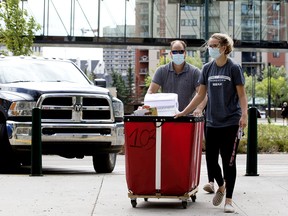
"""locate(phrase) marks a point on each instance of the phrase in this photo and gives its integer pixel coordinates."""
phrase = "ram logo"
(78, 107)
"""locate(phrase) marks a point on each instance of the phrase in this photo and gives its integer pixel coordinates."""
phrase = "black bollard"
(251, 165)
(36, 146)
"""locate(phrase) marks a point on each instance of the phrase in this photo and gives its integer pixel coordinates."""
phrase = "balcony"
(143, 71)
(144, 59)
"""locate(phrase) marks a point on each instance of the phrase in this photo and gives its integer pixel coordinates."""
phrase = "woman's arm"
(243, 104)
(198, 98)
(199, 109)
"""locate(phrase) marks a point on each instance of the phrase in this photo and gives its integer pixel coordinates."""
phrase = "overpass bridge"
(255, 25)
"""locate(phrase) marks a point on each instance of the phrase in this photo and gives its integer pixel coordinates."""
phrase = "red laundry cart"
(163, 157)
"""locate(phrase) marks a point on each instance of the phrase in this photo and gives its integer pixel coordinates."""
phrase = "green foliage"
(271, 138)
(279, 85)
(16, 28)
(195, 60)
(124, 90)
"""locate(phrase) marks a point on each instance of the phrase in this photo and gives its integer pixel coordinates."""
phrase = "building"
(119, 59)
(246, 20)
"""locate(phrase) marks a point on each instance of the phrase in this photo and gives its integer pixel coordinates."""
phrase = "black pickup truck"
(78, 118)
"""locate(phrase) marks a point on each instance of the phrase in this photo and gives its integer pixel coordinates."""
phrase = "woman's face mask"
(214, 52)
(178, 59)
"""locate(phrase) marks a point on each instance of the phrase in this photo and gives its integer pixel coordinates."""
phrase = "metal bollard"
(251, 165)
(36, 146)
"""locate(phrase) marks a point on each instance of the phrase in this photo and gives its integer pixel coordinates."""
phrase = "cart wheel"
(184, 204)
(145, 199)
(193, 197)
(134, 203)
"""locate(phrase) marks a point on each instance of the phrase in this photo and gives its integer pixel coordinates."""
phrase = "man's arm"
(153, 88)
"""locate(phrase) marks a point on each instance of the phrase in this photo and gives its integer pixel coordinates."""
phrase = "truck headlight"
(21, 108)
(118, 108)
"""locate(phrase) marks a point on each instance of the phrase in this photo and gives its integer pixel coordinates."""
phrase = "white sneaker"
(228, 208)
(209, 187)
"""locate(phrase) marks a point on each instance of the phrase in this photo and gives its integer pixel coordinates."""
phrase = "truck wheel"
(7, 158)
(104, 163)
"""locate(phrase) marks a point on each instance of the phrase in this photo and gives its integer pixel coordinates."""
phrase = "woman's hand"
(243, 120)
(179, 115)
(197, 112)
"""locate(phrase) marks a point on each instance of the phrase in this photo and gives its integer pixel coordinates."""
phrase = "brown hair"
(224, 40)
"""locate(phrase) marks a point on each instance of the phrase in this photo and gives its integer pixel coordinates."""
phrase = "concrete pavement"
(70, 187)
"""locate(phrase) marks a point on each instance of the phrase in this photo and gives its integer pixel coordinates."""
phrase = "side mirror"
(100, 82)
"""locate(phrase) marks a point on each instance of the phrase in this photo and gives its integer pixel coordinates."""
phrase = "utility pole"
(206, 27)
(269, 89)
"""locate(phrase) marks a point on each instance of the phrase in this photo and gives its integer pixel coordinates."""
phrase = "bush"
(271, 138)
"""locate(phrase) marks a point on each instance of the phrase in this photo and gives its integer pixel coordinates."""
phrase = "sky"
(112, 13)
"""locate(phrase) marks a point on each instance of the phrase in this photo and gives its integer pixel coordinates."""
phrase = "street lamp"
(23, 4)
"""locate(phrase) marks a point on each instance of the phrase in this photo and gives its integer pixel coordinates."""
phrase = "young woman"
(223, 81)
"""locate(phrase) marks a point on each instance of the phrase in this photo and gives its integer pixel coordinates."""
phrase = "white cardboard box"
(166, 103)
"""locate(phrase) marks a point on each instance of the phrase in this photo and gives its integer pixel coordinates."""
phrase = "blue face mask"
(178, 59)
(214, 52)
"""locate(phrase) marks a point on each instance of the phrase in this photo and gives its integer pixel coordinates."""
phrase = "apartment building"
(244, 20)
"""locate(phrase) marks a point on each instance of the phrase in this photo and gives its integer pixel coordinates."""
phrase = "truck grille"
(75, 108)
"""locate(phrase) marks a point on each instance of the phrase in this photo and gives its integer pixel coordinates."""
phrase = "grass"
(271, 139)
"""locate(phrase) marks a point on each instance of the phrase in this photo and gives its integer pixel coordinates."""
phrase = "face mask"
(214, 52)
(178, 59)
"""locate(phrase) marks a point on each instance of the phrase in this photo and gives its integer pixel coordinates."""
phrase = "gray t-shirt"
(184, 84)
(223, 108)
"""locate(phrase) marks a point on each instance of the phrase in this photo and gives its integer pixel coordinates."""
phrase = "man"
(181, 78)
(284, 113)
(178, 77)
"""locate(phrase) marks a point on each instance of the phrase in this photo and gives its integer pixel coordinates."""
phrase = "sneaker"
(209, 187)
(217, 199)
(228, 208)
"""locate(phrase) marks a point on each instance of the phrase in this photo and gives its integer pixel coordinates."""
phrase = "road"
(70, 187)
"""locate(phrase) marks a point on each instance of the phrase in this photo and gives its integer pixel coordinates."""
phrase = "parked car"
(78, 119)
(261, 114)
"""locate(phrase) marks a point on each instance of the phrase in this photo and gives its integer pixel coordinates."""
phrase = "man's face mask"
(178, 59)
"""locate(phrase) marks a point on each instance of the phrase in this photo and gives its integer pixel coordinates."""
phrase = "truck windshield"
(31, 70)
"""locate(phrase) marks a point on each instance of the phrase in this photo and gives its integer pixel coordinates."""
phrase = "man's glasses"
(178, 51)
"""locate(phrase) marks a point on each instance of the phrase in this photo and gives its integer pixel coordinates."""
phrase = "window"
(188, 22)
(194, 22)
(230, 6)
(276, 54)
(188, 8)
(276, 6)
(244, 9)
(230, 22)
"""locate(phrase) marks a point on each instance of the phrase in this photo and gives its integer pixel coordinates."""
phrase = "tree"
(16, 28)
(122, 90)
(279, 85)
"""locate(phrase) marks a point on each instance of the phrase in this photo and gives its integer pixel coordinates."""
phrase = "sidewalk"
(277, 121)
(71, 188)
